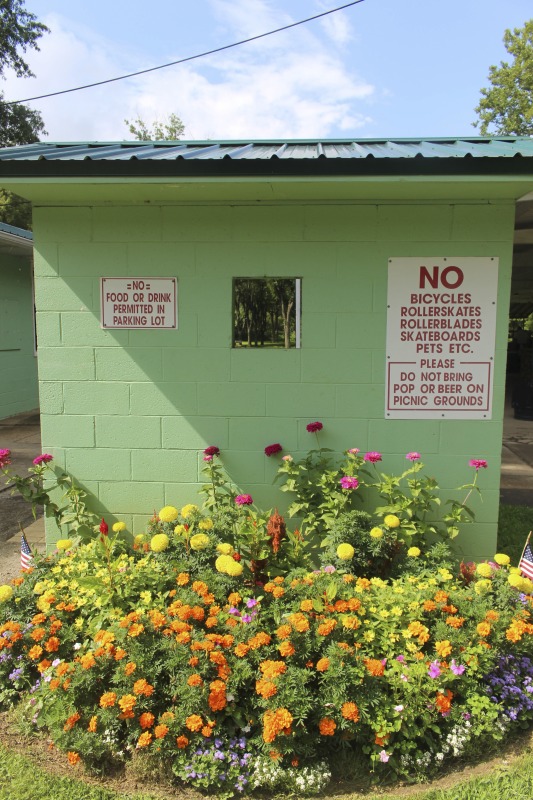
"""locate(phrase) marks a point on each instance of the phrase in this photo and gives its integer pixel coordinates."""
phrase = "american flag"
(526, 562)
(26, 556)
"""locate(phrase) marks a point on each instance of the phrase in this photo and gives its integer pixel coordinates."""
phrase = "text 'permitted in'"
(139, 303)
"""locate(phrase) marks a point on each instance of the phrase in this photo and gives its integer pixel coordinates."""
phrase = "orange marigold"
(374, 666)
(144, 739)
(265, 688)
(120, 654)
(87, 661)
(276, 721)
(71, 721)
(127, 703)
(108, 700)
(160, 731)
(286, 649)
(443, 648)
(35, 652)
(350, 711)
(73, 757)
(52, 644)
(194, 722)
(136, 629)
(259, 640)
(444, 701)
(306, 605)
(234, 599)
(195, 680)
(327, 726)
(93, 722)
(322, 665)
(143, 687)
(326, 627)
(284, 631)
(455, 622)
(182, 579)
(146, 720)
(483, 628)
(271, 669)
(130, 667)
(182, 742)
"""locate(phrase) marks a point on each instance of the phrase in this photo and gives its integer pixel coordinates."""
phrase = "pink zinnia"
(373, 457)
(349, 483)
(272, 449)
(354, 451)
(5, 458)
(413, 456)
(244, 500)
(478, 463)
(208, 458)
(212, 450)
(43, 459)
(313, 427)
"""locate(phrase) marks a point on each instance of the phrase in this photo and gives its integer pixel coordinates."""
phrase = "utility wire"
(184, 60)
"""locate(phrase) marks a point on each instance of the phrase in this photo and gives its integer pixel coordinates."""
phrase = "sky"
(380, 69)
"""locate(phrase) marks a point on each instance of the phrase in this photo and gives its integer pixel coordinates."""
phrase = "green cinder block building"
(148, 257)
(18, 364)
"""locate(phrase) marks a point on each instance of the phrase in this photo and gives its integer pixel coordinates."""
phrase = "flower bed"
(244, 655)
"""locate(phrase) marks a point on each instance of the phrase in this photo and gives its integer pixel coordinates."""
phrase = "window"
(267, 312)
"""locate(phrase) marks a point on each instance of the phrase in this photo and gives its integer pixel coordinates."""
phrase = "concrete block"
(128, 432)
(66, 431)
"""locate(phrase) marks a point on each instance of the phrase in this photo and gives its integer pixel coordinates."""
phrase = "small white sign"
(441, 329)
(139, 302)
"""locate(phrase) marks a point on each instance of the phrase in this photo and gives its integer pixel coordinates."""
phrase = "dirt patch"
(46, 757)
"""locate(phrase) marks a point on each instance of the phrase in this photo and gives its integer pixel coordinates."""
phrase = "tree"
(169, 129)
(506, 108)
(19, 31)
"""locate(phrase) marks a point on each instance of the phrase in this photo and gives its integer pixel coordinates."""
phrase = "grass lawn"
(24, 779)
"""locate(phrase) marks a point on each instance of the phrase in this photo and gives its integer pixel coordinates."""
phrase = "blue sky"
(382, 68)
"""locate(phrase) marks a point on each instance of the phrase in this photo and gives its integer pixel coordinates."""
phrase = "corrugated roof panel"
(477, 147)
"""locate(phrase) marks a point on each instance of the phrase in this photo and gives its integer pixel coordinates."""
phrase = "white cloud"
(292, 85)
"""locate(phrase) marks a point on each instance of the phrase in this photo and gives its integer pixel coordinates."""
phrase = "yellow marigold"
(64, 544)
(159, 542)
(306, 605)
(182, 579)
(144, 739)
(194, 722)
(225, 549)
(168, 514)
(189, 509)
(376, 533)
(483, 628)
(223, 563)
(108, 700)
(443, 648)
(93, 722)
(345, 551)
(180, 530)
(6, 593)
(515, 580)
(199, 541)
(139, 538)
(327, 726)
(234, 569)
(119, 526)
(483, 586)
(413, 552)
(35, 652)
(502, 559)
(484, 569)
(392, 521)
(350, 711)
(206, 524)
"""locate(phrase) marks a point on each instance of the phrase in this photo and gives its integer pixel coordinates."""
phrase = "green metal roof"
(503, 155)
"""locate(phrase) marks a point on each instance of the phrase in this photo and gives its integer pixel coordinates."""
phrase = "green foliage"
(506, 108)
(514, 524)
(169, 129)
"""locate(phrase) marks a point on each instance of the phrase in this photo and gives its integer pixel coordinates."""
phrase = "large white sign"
(139, 302)
(441, 326)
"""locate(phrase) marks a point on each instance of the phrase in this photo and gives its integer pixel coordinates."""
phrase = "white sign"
(139, 302)
(441, 327)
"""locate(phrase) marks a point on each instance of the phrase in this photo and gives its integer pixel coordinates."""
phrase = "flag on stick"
(26, 555)
(526, 561)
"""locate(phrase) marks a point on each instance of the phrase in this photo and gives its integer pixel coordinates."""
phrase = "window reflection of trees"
(264, 312)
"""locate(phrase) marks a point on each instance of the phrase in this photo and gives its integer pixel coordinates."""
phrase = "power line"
(184, 60)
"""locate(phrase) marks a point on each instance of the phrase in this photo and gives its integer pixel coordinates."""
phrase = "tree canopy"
(170, 128)
(19, 124)
(506, 108)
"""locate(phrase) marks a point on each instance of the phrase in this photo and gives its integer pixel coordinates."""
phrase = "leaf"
(331, 590)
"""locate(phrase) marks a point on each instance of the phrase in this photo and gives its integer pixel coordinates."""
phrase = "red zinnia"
(212, 450)
(313, 427)
(272, 449)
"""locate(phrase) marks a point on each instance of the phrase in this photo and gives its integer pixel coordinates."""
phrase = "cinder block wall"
(18, 365)
(129, 412)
